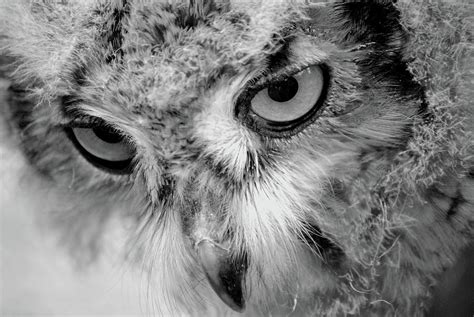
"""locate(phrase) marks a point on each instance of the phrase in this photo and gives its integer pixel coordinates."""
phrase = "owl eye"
(286, 106)
(104, 147)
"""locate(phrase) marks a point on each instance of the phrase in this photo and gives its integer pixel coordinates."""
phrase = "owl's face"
(242, 137)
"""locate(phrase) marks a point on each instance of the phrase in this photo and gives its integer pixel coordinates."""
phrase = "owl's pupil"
(107, 134)
(284, 90)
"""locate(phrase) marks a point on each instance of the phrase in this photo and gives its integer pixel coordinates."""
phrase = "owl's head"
(248, 141)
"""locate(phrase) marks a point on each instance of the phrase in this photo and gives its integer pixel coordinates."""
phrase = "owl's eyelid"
(74, 117)
(267, 78)
(89, 122)
(85, 121)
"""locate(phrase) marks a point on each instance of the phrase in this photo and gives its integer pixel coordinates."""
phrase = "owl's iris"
(104, 147)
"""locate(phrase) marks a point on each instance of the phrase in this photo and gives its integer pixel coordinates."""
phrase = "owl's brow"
(70, 108)
(280, 58)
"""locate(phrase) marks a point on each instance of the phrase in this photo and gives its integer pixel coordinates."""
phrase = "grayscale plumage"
(265, 157)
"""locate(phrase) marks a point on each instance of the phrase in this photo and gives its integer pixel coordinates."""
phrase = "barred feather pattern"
(360, 212)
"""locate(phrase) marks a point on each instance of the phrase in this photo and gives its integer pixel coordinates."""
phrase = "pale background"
(37, 278)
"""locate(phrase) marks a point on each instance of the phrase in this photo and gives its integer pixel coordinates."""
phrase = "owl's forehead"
(169, 50)
(235, 29)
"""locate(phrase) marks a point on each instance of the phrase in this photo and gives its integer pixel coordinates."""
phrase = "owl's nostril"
(225, 273)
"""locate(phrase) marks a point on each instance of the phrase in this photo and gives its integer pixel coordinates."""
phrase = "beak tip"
(236, 304)
(225, 275)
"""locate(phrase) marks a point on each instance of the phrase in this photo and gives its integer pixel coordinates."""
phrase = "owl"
(262, 158)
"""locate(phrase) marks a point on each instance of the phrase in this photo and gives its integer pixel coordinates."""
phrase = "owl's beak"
(224, 273)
